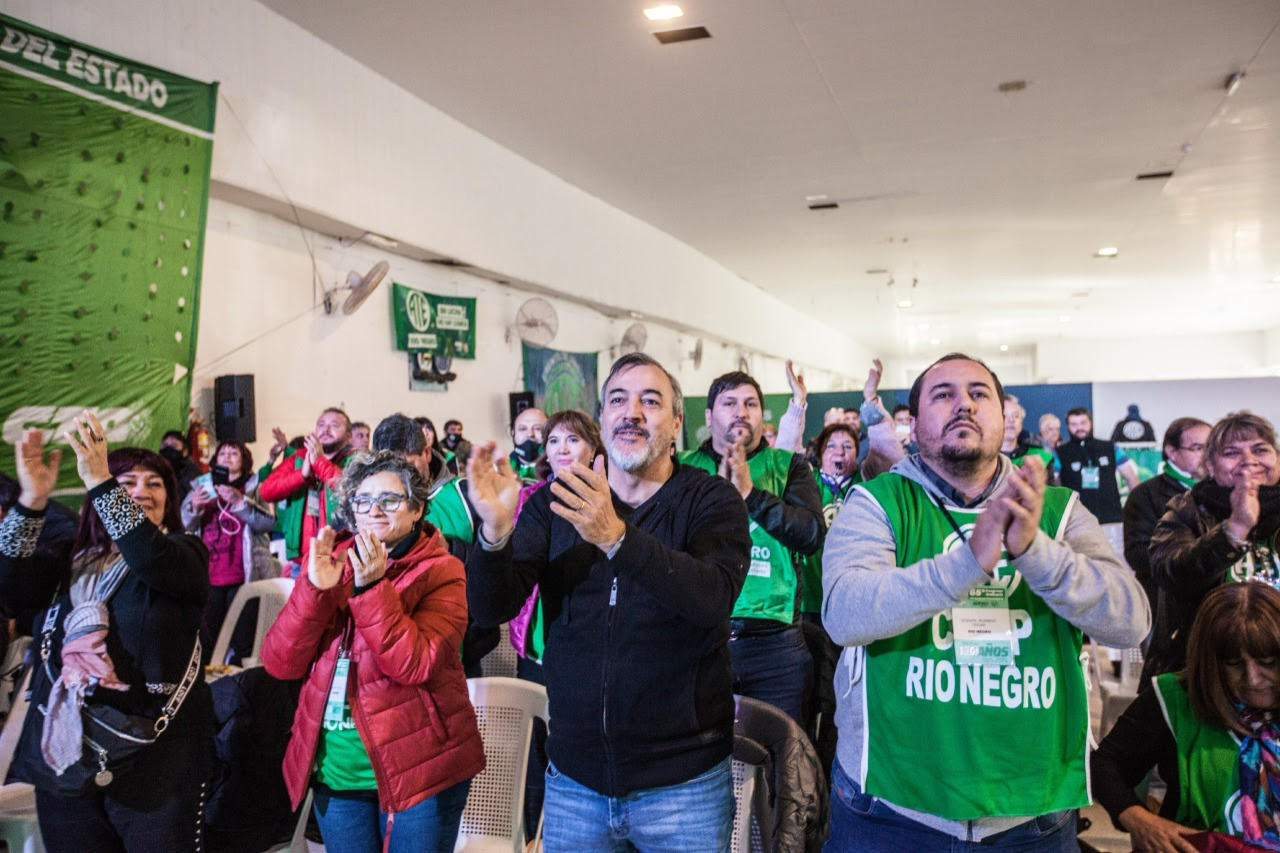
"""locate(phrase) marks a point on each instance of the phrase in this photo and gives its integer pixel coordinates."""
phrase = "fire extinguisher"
(199, 441)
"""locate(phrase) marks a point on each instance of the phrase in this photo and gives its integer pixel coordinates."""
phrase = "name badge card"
(337, 701)
(1089, 477)
(982, 628)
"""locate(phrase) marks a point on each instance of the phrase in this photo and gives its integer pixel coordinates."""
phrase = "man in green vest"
(770, 659)
(960, 585)
(526, 436)
(1018, 443)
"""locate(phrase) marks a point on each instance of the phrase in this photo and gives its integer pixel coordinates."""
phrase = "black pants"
(157, 805)
(535, 785)
(215, 611)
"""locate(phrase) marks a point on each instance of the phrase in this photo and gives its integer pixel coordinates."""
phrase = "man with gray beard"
(639, 563)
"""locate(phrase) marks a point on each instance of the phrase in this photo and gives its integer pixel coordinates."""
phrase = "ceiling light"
(1275, 279)
(1004, 348)
(1106, 252)
(1064, 318)
(1233, 82)
(904, 303)
(934, 342)
(663, 13)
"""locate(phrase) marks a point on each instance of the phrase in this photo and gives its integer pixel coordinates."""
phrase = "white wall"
(1161, 402)
(259, 315)
(299, 120)
(1136, 358)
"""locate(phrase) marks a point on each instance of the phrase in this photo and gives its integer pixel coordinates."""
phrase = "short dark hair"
(1235, 426)
(1233, 619)
(917, 387)
(399, 433)
(175, 433)
(338, 411)
(729, 381)
(1080, 410)
(246, 457)
(424, 421)
(576, 422)
(9, 492)
(1173, 435)
(820, 444)
(639, 359)
(854, 409)
(900, 408)
(451, 422)
(92, 540)
(364, 465)
(358, 424)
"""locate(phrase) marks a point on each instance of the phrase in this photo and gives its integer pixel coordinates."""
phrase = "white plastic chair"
(18, 827)
(745, 830)
(501, 661)
(1116, 695)
(299, 843)
(493, 819)
(271, 594)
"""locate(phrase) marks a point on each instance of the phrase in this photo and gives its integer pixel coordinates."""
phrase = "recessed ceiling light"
(924, 327)
(1106, 252)
(1004, 348)
(934, 342)
(1064, 318)
(1275, 279)
(663, 13)
(904, 303)
(812, 198)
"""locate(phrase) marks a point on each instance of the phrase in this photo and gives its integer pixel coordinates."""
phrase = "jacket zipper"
(604, 705)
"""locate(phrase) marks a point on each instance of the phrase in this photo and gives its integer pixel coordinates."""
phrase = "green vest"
(961, 741)
(1046, 456)
(1208, 773)
(770, 590)
(448, 512)
(811, 566)
(527, 473)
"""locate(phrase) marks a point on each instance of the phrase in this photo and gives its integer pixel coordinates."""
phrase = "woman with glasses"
(385, 734)
(1222, 529)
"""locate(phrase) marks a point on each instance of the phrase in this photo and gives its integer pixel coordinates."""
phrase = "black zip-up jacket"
(1142, 511)
(637, 658)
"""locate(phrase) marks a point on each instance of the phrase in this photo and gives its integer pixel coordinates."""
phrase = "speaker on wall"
(233, 418)
(517, 402)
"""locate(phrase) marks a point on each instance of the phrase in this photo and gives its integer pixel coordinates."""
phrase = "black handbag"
(112, 738)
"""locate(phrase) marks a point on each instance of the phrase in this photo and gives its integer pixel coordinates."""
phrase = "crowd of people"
(910, 590)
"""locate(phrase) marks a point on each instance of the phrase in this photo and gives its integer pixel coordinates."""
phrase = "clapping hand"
(368, 558)
(1245, 506)
(313, 450)
(282, 441)
(799, 391)
(89, 441)
(872, 386)
(323, 571)
(1024, 500)
(36, 477)
(494, 491)
(734, 468)
(587, 503)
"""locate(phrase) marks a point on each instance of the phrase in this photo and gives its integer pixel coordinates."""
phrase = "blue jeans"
(862, 823)
(774, 668)
(357, 825)
(689, 817)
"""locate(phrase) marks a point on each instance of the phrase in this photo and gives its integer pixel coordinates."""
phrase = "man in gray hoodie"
(960, 587)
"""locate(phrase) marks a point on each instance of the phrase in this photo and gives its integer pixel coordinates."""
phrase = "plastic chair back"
(502, 660)
(493, 818)
(746, 831)
(271, 594)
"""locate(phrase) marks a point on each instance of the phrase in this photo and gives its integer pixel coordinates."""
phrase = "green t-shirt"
(342, 762)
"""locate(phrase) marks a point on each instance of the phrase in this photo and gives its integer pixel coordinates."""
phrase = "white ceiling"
(994, 202)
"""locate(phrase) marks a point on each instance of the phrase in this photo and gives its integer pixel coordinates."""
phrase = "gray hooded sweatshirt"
(867, 597)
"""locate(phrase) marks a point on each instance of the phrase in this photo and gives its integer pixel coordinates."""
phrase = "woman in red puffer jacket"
(385, 733)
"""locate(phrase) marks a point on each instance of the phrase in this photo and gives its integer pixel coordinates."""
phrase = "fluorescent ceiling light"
(663, 13)
(1064, 318)
(1107, 252)
(1004, 348)
(934, 341)
(904, 303)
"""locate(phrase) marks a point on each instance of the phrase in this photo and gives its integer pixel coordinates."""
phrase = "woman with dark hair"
(385, 734)
(121, 638)
(1211, 730)
(233, 525)
(1223, 529)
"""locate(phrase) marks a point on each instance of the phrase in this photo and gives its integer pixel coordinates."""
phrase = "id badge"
(982, 628)
(1089, 477)
(313, 500)
(335, 705)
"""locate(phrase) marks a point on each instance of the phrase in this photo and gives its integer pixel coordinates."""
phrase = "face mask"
(903, 431)
(529, 449)
(173, 456)
(451, 441)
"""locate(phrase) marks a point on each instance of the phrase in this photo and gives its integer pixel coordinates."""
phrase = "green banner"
(104, 194)
(424, 322)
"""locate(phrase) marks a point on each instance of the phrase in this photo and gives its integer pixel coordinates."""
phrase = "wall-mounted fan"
(536, 322)
(743, 365)
(360, 286)
(695, 354)
(633, 339)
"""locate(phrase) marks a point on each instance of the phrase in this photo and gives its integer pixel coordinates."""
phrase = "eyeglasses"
(1194, 448)
(389, 501)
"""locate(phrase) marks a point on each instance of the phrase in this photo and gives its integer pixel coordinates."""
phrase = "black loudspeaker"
(233, 418)
(517, 402)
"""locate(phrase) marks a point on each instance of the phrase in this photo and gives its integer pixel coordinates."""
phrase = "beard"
(333, 446)
(963, 458)
(741, 429)
(634, 459)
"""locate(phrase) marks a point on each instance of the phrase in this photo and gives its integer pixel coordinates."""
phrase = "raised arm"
(795, 519)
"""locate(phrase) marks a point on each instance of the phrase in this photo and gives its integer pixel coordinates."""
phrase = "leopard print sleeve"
(118, 511)
(18, 534)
